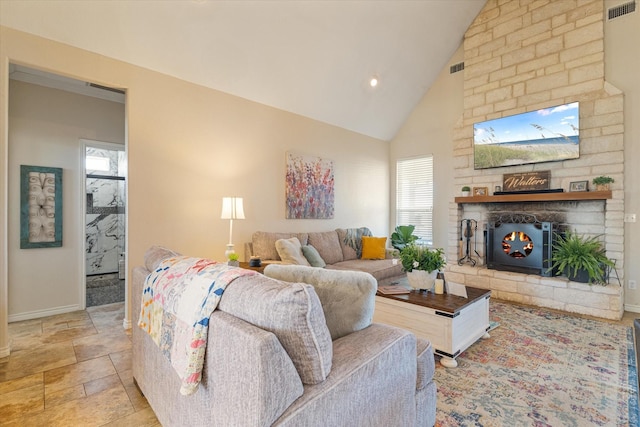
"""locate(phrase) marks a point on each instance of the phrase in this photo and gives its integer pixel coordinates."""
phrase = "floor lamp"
(231, 209)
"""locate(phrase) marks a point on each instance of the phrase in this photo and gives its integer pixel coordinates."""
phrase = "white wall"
(189, 146)
(428, 130)
(45, 126)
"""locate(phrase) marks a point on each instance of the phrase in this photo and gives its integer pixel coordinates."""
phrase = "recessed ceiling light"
(373, 82)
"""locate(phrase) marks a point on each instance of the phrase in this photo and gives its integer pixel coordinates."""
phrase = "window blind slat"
(414, 195)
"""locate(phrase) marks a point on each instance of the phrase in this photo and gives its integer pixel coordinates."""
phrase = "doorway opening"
(105, 230)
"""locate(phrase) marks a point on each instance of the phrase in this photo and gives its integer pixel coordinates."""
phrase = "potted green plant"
(466, 190)
(233, 259)
(602, 183)
(402, 236)
(580, 258)
(422, 264)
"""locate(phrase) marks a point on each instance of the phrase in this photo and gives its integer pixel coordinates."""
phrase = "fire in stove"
(517, 244)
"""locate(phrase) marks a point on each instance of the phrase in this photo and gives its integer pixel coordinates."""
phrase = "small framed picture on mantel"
(480, 191)
(579, 186)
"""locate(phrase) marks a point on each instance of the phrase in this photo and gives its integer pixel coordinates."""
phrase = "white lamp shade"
(232, 208)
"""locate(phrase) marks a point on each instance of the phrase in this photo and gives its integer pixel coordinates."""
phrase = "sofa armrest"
(248, 250)
(426, 363)
(250, 382)
(392, 253)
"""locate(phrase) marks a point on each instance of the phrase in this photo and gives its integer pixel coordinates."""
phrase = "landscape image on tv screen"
(546, 135)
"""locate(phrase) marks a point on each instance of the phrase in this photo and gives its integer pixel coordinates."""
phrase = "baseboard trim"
(43, 313)
(632, 308)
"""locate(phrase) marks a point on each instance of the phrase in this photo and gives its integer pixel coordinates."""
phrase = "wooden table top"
(447, 303)
(244, 264)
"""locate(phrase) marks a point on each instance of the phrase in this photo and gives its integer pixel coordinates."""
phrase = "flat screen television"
(546, 135)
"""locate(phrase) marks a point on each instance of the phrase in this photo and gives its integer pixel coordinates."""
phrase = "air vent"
(457, 67)
(110, 89)
(623, 9)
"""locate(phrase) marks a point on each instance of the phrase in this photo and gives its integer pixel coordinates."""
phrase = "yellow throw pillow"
(374, 247)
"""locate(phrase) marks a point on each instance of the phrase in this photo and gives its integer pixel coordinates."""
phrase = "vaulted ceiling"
(314, 58)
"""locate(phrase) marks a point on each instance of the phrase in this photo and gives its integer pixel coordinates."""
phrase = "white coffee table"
(450, 322)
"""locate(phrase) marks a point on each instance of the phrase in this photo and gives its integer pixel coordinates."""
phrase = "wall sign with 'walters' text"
(525, 181)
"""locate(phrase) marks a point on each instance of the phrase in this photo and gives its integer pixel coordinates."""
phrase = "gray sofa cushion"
(348, 253)
(347, 297)
(290, 251)
(327, 245)
(292, 311)
(378, 268)
(264, 243)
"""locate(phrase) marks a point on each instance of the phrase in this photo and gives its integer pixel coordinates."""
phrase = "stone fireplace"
(522, 56)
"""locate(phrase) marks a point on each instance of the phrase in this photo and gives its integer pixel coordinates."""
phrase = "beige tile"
(53, 336)
(25, 327)
(137, 399)
(79, 373)
(21, 402)
(101, 344)
(24, 335)
(79, 323)
(121, 360)
(143, 418)
(59, 321)
(58, 397)
(95, 410)
(107, 322)
(40, 359)
(116, 307)
(102, 384)
(26, 342)
(23, 382)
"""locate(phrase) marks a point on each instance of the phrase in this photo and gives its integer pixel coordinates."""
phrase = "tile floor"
(72, 369)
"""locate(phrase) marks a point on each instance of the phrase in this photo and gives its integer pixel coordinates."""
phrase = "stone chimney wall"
(524, 55)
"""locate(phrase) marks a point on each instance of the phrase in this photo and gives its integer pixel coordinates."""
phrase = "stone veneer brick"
(523, 55)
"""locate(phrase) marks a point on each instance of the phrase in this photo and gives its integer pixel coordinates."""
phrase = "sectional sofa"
(338, 248)
(273, 358)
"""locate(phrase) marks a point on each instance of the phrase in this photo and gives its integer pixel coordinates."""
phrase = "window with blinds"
(414, 196)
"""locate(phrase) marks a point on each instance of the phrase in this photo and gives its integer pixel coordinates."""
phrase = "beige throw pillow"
(290, 251)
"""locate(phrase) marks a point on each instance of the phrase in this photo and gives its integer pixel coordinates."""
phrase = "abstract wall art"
(40, 207)
(309, 187)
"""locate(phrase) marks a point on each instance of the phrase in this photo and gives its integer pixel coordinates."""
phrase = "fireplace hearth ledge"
(558, 293)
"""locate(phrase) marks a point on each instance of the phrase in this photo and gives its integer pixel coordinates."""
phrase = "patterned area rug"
(541, 368)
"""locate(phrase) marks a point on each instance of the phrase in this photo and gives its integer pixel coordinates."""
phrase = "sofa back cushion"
(156, 254)
(292, 312)
(351, 241)
(264, 243)
(328, 246)
(290, 251)
(348, 253)
(347, 297)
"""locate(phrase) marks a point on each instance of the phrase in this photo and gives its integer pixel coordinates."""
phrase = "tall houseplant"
(422, 264)
(580, 258)
(402, 236)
